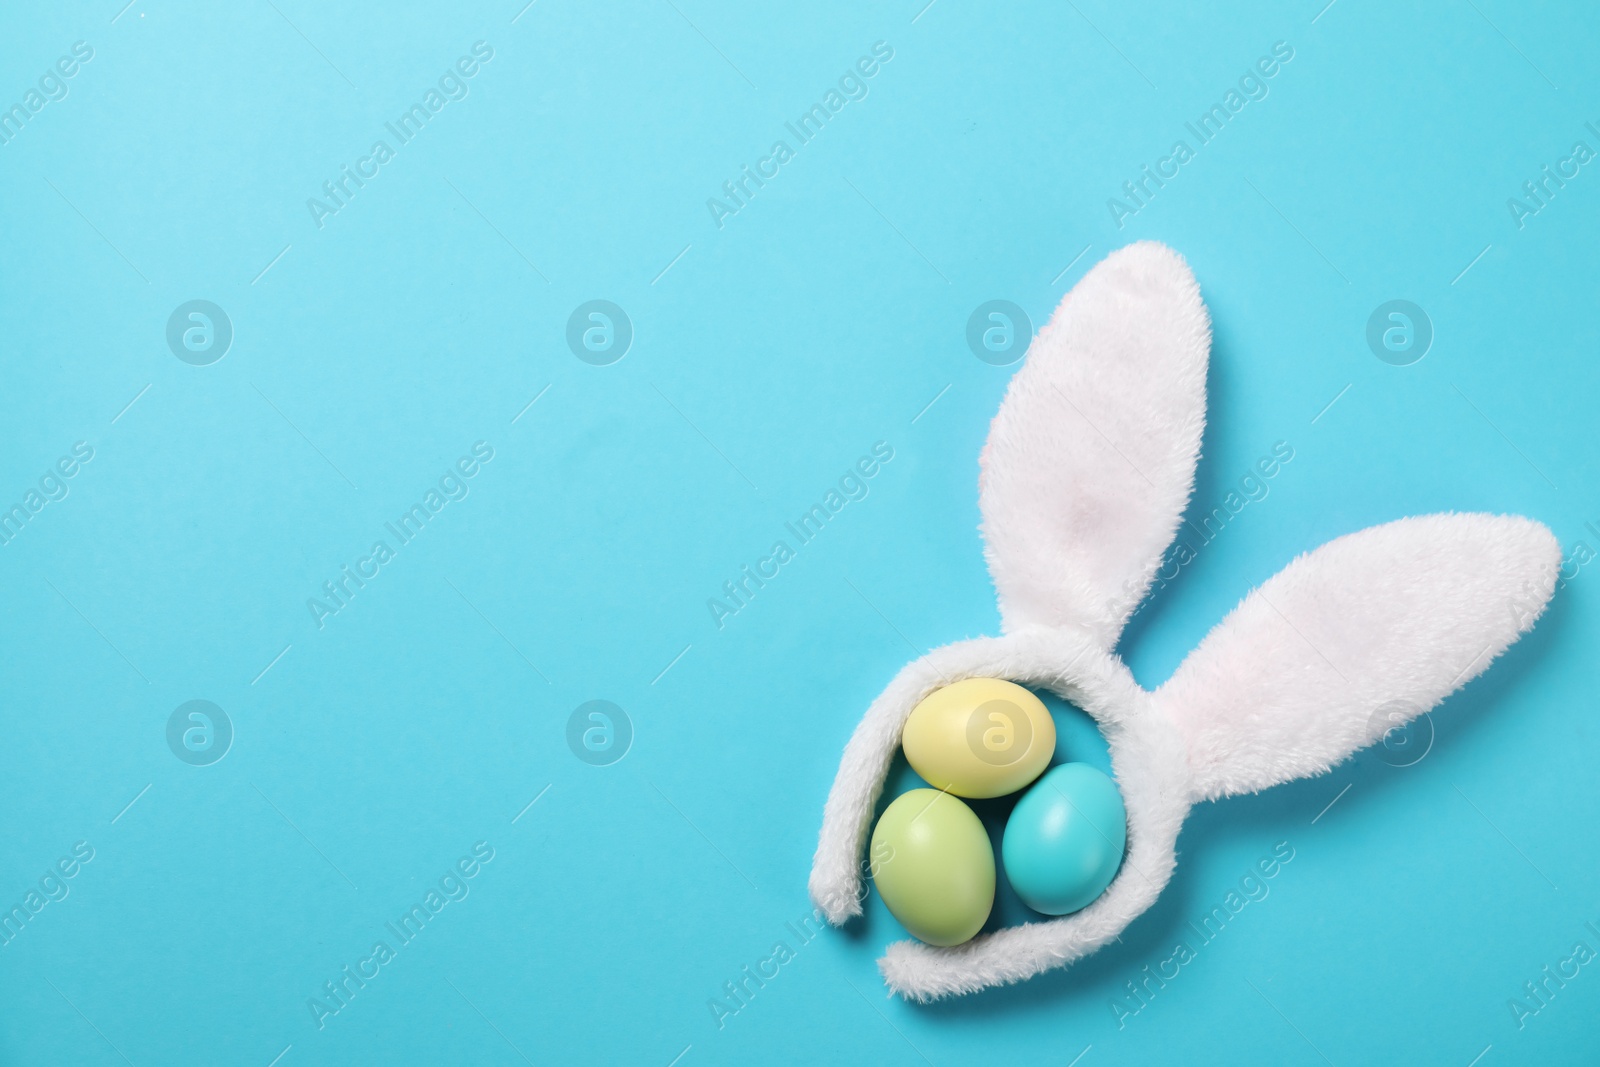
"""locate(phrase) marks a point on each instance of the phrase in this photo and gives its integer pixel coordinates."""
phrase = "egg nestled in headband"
(979, 738)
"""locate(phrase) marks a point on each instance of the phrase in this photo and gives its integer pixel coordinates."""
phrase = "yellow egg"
(981, 737)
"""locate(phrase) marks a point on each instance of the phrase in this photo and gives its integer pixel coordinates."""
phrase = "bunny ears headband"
(1084, 480)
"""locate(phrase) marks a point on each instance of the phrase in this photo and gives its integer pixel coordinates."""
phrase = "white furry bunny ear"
(1090, 461)
(1352, 639)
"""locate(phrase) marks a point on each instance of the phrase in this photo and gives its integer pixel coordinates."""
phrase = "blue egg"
(1065, 839)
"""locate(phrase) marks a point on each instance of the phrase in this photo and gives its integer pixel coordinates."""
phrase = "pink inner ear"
(1090, 461)
(1318, 661)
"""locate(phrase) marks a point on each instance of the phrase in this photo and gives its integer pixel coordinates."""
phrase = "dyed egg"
(980, 737)
(1065, 839)
(934, 866)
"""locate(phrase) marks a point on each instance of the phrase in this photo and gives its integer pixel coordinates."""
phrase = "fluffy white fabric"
(1090, 461)
(1370, 630)
(1088, 467)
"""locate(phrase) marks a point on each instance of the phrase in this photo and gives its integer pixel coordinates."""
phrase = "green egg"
(934, 866)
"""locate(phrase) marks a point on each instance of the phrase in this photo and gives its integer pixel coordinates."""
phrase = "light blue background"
(822, 318)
